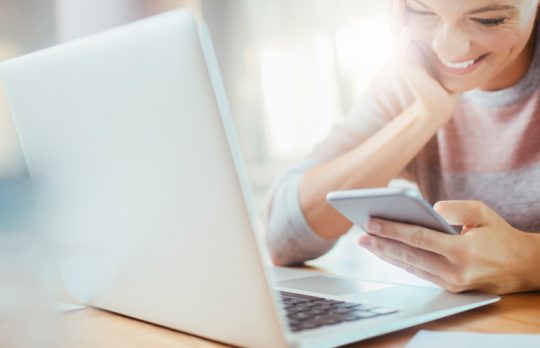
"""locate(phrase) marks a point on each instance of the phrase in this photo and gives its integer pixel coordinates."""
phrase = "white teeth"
(461, 65)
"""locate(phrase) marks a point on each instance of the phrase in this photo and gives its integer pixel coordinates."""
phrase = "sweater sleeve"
(289, 237)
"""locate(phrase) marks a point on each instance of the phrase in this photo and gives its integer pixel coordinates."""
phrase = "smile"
(460, 68)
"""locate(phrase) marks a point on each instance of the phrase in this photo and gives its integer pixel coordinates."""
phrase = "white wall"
(77, 18)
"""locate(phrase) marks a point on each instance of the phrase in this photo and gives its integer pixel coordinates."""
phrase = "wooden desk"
(90, 328)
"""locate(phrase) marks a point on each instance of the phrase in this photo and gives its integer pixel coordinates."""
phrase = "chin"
(456, 86)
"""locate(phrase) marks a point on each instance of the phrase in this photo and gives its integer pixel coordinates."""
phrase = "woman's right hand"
(416, 70)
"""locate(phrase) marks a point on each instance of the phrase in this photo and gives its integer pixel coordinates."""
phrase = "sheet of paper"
(430, 339)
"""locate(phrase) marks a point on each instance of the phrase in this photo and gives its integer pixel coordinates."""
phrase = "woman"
(458, 113)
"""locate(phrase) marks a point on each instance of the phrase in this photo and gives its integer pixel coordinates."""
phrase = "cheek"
(500, 43)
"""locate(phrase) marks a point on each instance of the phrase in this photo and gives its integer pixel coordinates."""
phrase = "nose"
(450, 43)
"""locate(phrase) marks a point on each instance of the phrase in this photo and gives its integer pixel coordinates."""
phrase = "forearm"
(371, 164)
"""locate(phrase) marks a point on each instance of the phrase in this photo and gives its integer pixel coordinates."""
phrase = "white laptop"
(127, 134)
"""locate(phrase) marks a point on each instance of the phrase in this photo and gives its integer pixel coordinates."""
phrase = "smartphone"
(390, 203)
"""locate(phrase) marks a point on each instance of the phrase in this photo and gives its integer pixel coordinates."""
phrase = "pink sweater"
(488, 151)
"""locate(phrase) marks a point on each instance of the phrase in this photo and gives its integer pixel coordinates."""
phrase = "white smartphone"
(397, 204)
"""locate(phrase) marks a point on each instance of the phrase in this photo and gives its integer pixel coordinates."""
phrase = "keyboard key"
(310, 325)
(301, 315)
(320, 309)
(302, 306)
(348, 305)
(340, 310)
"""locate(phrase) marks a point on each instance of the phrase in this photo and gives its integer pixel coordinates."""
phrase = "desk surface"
(91, 328)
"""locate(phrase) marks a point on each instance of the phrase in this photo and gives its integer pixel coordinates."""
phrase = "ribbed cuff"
(290, 238)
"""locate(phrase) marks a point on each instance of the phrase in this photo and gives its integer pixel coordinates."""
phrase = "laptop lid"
(128, 136)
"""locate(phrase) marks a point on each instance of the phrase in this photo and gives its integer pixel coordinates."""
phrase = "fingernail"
(373, 226)
(364, 241)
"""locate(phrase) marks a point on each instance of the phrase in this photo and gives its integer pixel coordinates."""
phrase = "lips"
(460, 68)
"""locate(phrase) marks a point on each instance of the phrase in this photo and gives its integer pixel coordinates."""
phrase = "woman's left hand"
(489, 255)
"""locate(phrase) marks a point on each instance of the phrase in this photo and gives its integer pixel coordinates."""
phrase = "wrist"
(428, 118)
(531, 271)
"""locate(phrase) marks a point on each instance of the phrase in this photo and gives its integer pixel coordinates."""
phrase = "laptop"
(142, 193)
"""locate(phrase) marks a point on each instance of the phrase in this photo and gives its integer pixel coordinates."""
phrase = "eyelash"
(485, 22)
(491, 22)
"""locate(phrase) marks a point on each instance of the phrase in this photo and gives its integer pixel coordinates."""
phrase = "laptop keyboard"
(309, 312)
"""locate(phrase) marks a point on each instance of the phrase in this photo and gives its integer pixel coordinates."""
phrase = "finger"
(467, 213)
(403, 39)
(417, 57)
(397, 18)
(410, 269)
(417, 258)
(413, 235)
(415, 68)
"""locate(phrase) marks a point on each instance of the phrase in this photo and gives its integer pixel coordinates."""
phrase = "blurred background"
(292, 68)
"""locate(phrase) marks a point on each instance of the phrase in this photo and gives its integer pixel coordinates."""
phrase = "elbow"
(279, 249)
(275, 252)
(277, 261)
(280, 261)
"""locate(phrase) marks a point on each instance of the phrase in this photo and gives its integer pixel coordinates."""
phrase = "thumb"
(467, 213)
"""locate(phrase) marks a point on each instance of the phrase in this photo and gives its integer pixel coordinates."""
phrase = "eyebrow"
(493, 7)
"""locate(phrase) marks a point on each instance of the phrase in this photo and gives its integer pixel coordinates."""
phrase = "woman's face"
(474, 43)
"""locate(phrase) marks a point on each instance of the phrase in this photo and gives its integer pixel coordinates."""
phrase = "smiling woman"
(486, 45)
(457, 112)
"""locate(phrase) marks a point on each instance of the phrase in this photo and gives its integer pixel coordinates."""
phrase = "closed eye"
(491, 22)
